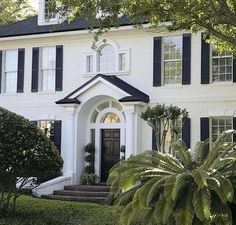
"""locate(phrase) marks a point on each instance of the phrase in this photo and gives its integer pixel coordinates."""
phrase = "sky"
(34, 4)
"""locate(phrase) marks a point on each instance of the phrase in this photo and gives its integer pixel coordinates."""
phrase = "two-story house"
(50, 75)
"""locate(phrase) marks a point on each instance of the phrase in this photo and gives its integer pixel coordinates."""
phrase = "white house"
(50, 75)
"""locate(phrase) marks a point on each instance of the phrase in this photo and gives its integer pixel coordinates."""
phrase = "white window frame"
(211, 66)
(171, 60)
(4, 72)
(40, 81)
(96, 55)
(42, 20)
(218, 117)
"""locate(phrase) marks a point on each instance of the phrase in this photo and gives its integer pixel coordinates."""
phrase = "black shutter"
(204, 128)
(0, 71)
(35, 70)
(234, 127)
(234, 69)
(59, 67)
(186, 66)
(186, 132)
(154, 143)
(35, 122)
(205, 62)
(57, 134)
(21, 69)
(157, 61)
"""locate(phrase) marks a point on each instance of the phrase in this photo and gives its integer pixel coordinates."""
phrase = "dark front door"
(110, 151)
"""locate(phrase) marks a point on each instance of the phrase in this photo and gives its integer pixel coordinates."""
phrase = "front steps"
(81, 193)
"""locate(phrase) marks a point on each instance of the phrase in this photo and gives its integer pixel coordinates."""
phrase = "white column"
(69, 161)
(130, 131)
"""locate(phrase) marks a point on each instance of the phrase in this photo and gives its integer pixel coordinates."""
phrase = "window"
(107, 59)
(10, 68)
(222, 66)
(49, 9)
(48, 68)
(172, 59)
(110, 118)
(219, 125)
(47, 126)
(89, 63)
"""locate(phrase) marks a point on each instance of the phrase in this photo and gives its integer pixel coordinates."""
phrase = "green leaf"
(184, 212)
(174, 184)
(200, 177)
(202, 204)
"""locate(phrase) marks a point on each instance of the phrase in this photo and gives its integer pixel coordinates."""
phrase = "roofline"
(75, 31)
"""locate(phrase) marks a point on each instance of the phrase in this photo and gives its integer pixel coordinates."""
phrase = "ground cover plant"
(33, 211)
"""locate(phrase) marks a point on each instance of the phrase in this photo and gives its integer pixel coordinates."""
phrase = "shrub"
(27, 157)
(89, 169)
(88, 178)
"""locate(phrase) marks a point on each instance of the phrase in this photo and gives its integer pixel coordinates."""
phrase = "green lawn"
(33, 211)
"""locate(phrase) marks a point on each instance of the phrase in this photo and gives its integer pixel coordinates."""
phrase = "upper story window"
(48, 69)
(222, 65)
(10, 67)
(218, 126)
(172, 59)
(109, 59)
(106, 59)
(47, 13)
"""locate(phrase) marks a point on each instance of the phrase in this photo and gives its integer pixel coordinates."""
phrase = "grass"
(34, 211)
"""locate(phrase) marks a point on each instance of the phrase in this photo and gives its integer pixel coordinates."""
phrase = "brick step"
(81, 193)
(76, 198)
(93, 188)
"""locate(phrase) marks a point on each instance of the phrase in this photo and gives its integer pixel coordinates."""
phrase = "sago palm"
(191, 188)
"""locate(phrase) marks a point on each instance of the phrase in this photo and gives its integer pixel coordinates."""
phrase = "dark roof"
(134, 94)
(30, 27)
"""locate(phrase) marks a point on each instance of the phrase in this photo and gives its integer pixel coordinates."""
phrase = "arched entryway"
(107, 133)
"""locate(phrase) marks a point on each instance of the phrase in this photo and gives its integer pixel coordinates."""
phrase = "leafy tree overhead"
(27, 157)
(14, 10)
(217, 17)
(190, 189)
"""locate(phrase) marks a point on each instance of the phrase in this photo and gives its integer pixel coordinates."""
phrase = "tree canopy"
(216, 17)
(14, 10)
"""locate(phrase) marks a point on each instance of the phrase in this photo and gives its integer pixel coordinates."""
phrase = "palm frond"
(174, 184)
(202, 204)
(200, 177)
(184, 212)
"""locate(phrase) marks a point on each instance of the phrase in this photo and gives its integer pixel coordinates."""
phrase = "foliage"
(163, 119)
(27, 157)
(216, 17)
(88, 178)
(33, 211)
(14, 10)
(190, 189)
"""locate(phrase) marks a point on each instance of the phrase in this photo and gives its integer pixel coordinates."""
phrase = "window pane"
(122, 59)
(110, 118)
(47, 126)
(49, 58)
(103, 106)
(10, 82)
(89, 63)
(48, 80)
(107, 59)
(11, 60)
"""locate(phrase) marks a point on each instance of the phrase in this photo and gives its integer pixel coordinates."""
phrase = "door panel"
(110, 151)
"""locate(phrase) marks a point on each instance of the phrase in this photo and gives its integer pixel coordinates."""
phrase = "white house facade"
(50, 74)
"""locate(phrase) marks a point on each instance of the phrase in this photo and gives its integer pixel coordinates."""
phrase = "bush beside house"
(27, 157)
